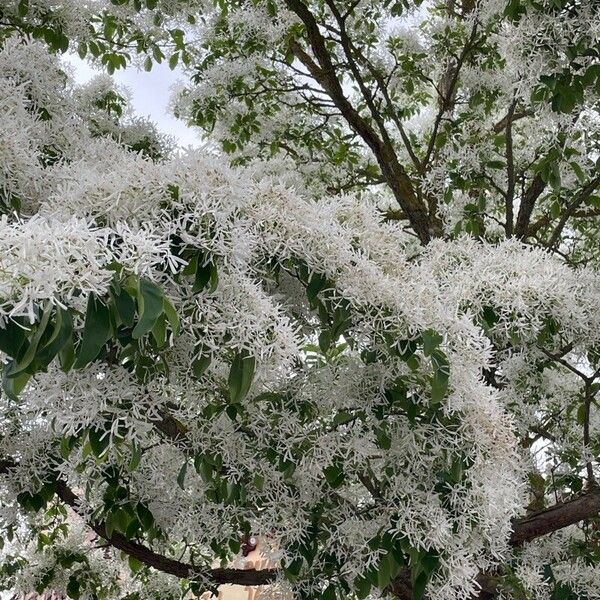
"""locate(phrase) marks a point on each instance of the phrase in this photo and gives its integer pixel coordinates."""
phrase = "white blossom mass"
(360, 323)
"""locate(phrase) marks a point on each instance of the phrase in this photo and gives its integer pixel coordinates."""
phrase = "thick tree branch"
(511, 118)
(158, 561)
(525, 529)
(528, 201)
(556, 517)
(323, 71)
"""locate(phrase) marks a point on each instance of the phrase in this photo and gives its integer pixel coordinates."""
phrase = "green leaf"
(495, 164)
(145, 516)
(228, 146)
(27, 358)
(431, 340)
(96, 332)
(136, 456)
(12, 337)
(294, 568)
(159, 331)
(205, 274)
(63, 329)
(134, 564)
(334, 475)
(384, 441)
(181, 476)
(578, 171)
(13, 386)
(65, 447)
(203, 467)
(325, 340)
(419, 586)
(192, 264)
(384, 572)
(23, 8)
(150, 306)
(363, 587)
(173, 60)
(259, 482)
(329, 593)
(343, 417)
(120, 519)
(429, 562)
(66, 355)
(73, 587)
(99, 440)
(240, 376)
(171, 315)
(200, 365)
(125, 306)
(439, 379)
(317, 284)
(157, 53)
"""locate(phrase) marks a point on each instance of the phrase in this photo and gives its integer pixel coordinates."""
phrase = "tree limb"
(323, 71)
(528, 201)
(158, 561)
(525, 530)
(579, 199)
(556, 517)
(510, 171)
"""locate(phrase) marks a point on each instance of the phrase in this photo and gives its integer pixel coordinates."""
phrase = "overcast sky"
(150, 93)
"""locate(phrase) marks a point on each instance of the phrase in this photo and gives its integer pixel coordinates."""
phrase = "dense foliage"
(361, 323)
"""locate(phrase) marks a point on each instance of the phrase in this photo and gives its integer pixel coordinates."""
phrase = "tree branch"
(510, 171)
(579, 199)
(556, 517)
(148, 557)
(528, 201)
(323, 71)
(511, 118)
(525, 530)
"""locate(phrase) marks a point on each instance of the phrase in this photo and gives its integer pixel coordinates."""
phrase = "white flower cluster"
(50, 261)
(104, 210)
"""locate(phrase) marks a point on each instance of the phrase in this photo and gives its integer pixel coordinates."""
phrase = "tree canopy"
(361, 322)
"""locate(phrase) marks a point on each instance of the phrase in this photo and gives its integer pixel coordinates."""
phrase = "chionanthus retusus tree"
(362, 323)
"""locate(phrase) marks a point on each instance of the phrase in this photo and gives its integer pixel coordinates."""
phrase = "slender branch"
(587, 404)
(448, 86)
(566, 364)
(510, 171)
(546, 219)
(350, 50)
(579, 199)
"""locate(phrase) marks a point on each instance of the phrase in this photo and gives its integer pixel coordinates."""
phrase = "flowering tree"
(362, 322)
